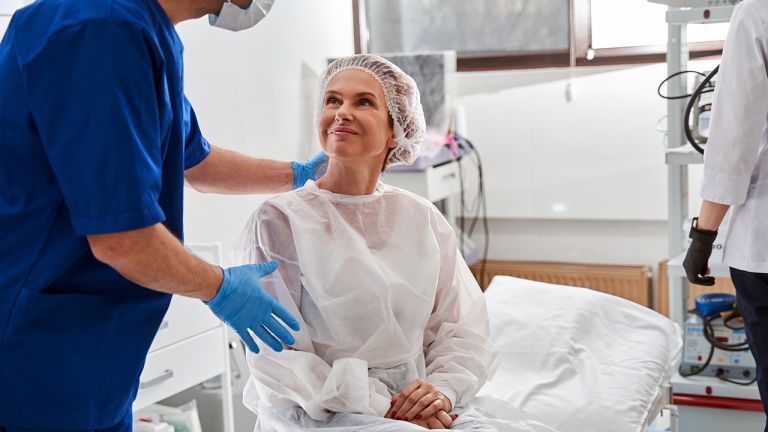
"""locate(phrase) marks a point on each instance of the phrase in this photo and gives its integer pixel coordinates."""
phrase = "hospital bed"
(579, 360)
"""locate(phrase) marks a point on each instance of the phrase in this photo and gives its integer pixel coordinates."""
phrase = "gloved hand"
(244, 305)
(312, 169)
(696, 262)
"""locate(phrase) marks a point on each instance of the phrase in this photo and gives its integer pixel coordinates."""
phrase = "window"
(634, 23)
(512, 34)
(469, 27)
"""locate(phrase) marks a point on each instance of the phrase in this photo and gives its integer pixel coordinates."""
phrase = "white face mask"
(232, 17)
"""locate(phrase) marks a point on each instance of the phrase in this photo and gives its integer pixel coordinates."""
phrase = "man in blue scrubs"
(96, 142)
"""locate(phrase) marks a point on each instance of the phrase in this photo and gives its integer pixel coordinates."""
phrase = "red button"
(709, 391)
(707, 13)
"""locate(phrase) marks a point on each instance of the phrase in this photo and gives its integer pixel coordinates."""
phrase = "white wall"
(596, 157)
(581, 181)
(254, 91)
(7, 8)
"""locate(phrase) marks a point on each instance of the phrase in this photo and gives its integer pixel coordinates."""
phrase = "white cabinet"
(186, 317)
(190, 347)
(180, 366)
(434, 183)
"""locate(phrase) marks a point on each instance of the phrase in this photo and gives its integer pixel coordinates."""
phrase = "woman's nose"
(343, 114)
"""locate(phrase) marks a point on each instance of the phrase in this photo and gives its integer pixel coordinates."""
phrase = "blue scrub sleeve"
(196, 147)
(99, 100)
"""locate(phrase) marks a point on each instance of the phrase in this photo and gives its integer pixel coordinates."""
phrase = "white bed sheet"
(579, 360)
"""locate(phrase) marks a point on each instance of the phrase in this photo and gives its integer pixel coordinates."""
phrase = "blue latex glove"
(244, 305)
(312, 169)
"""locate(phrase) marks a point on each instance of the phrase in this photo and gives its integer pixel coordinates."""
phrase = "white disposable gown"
(735, 158)
(383, 298)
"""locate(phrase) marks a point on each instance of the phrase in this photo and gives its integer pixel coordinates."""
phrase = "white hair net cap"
(402, 98)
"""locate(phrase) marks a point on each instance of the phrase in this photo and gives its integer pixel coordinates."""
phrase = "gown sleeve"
(739, 109)
(297, 376)
(459, 356)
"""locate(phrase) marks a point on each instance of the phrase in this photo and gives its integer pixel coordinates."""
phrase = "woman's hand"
(418, 401)
(441, 420)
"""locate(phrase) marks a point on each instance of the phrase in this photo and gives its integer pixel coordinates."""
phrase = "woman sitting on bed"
(394, 327)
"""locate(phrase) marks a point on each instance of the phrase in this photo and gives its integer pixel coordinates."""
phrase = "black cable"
(486, 232)
(734, 315)
(658, 91)
(719, 374)
(483, 207)
(462, 208)
(701, 368)
(709, 335)
(466, 144)
(691, 102)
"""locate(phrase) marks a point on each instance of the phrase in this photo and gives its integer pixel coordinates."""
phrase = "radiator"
(629, 282)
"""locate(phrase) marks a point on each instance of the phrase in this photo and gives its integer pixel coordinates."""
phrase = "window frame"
(580, 50)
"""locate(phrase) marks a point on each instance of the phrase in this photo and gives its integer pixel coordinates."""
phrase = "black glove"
(696, 262)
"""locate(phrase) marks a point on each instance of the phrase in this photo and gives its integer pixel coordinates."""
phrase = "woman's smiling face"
(354, 123)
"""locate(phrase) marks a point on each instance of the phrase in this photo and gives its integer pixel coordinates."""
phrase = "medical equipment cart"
(703, 403)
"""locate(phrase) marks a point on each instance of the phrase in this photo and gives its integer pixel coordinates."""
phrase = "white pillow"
(576, 359)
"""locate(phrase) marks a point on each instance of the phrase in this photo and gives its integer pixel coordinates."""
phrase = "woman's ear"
(391, 143)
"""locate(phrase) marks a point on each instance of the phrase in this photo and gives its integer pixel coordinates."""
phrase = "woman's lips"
(342, 131)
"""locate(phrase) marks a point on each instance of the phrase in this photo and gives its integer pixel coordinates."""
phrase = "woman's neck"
(352, 178)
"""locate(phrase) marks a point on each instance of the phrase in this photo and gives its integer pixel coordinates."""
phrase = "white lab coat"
(383, 298)
(735, 160)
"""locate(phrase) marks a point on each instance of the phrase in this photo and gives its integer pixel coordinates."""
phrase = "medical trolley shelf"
(678, 156)
(686, 155)
(716, 266)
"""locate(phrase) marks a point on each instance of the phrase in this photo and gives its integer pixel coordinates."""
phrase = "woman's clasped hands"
(422, 404)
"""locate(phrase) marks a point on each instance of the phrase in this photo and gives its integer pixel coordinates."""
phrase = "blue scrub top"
(95, 135)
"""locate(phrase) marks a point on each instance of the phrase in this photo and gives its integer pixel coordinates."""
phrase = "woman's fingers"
(427, 406)
(434, 423)
(445, 419)
(410, 402)
(400, 397)
(422, 423)
(411, 387)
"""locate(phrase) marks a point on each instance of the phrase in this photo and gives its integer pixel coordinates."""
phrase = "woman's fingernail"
(405, 418)
(418, 416)
(454, 416)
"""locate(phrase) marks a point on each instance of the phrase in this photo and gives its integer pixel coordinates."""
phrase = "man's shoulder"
(35, 25)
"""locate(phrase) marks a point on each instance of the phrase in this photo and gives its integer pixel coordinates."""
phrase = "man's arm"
(228, 172)
(153, 258)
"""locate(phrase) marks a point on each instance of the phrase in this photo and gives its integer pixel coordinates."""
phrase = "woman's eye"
(332, 100)
(365, 102)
